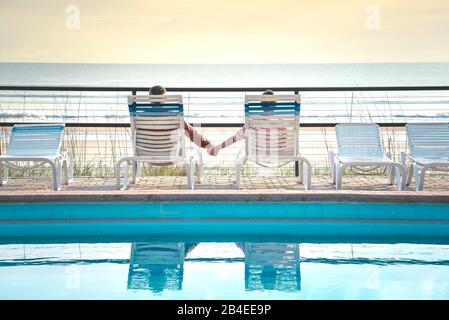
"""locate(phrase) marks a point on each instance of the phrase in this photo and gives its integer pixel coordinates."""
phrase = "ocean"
(225, 75)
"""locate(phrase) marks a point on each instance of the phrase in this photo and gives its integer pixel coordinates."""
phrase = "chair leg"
(126, 177)
(138, 171)
(417, 176)
(399, 178)
(409, 171)
(332, 166)
(403, 174)
(65, 172)
(134, 165)
(410, 174)
(190, 170)
(391, 174)
(192, 175)
(117, 175)
(5, 175)
(187, 167)
(238, 175)
(338, 176)
(56, 173)
(199, 170)
(59, 175)
(397, 172)
(421, 178)
(71, 167)
(67, 168)
(308, 175)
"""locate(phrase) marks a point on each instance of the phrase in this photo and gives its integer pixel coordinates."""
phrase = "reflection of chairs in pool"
(272, 266)
(157, 266)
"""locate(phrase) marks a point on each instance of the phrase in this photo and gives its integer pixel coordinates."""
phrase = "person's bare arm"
(238, 136)
(197, 138)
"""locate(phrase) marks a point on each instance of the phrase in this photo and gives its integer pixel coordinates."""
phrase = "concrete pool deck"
(219, 188)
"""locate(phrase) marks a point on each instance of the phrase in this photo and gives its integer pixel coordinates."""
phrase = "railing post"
(296, 162)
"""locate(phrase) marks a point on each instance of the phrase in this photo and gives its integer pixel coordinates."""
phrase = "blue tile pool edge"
(73, 211)
(306, 220)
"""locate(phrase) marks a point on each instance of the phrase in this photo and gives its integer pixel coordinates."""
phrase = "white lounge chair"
(429, 150)
(39, 143)
(360, 145)
(157, 126)
(272, 134)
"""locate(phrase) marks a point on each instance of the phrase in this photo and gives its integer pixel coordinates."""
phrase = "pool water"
(271, 251)
(226, 270)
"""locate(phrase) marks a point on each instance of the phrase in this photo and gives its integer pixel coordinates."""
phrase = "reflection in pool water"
(268, 266)
(272, 266)
(157, 266)
(224, 270)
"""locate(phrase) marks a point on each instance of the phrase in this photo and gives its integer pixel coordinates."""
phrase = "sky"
(224, 31)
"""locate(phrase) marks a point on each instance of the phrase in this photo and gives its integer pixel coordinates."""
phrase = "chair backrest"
(157, 125)
(34, 140)
(272, 126)
(429, 140)
(359, 140)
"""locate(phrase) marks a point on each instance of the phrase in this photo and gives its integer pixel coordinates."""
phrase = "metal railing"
(296, 90)
(97, 117)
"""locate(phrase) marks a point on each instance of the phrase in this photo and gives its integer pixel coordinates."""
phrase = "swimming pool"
(224, 251)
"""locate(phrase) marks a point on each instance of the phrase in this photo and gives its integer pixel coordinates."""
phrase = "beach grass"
(96, 150)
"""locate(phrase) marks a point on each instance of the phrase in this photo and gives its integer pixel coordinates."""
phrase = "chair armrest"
(405, 155)
(336, 156)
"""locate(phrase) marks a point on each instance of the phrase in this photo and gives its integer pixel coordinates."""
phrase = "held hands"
(212, 150)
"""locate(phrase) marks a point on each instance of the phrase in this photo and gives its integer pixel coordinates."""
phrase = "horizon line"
(239, 63)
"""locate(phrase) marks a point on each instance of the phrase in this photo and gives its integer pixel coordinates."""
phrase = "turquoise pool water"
(224, 251)
(230, 270)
